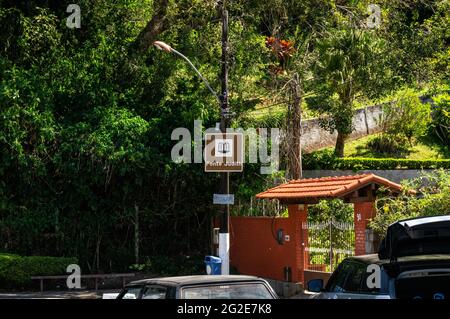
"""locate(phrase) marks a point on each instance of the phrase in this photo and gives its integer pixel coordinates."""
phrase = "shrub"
(407, 117)
(169, 266)
(387, 144)
(16, 271)
(323, 159)
(441, 117)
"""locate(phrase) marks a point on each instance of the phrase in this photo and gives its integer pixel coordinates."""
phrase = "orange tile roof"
(325, 187)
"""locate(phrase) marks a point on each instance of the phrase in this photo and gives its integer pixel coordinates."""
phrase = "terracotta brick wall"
(363, 212)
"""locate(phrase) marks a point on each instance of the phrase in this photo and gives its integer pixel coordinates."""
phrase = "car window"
(154, 292)
(131, 292)
(228, 291)
(337, 280)
(355, 275)
(365, 288)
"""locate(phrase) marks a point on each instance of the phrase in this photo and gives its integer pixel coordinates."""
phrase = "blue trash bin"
(213, 265)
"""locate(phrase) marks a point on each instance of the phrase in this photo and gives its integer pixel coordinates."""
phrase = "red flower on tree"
(283, 50)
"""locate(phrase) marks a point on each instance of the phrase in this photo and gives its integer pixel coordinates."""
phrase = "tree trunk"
(295, 153)
(97, 250)
(136, 233)
(340, 143)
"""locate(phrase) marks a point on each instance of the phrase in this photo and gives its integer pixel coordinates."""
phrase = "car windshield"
(229, 291)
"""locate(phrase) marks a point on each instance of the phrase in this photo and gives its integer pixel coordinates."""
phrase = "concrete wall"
(395, 175)
(365, 122)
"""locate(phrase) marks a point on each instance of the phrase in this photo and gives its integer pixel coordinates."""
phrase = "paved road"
(76, 294)
(86, 294)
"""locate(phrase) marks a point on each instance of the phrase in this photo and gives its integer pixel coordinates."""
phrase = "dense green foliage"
(407, 116)
(171, 266)
(86, 114)
(16, 271)
(330, 209)
(356, 63)
(85, 139)
(434, 200)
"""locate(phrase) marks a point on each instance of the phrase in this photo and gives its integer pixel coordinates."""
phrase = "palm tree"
(347, 67)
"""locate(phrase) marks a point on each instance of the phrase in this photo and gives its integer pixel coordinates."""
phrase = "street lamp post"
(224, 236)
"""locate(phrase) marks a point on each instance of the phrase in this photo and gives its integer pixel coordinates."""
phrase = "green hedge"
(359, 163)
(16, 271)
(327, 160)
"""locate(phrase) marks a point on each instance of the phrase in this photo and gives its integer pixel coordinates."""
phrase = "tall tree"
(349, 65)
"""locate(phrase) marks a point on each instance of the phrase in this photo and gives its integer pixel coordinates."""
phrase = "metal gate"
(326, 244)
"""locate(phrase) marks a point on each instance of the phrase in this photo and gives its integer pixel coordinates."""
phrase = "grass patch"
(425, 148)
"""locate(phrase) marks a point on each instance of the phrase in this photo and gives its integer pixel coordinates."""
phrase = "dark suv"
(413, 263)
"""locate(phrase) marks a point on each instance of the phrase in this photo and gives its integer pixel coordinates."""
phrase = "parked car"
(199, 287)
(414, 263)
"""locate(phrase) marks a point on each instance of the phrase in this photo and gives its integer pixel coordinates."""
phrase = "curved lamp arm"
(165, 47)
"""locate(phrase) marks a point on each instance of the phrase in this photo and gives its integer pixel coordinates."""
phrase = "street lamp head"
(162, 46)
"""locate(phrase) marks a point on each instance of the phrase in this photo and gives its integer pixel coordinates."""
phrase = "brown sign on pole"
(224, 152)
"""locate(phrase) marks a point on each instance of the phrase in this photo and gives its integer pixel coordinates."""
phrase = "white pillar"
(224, 252)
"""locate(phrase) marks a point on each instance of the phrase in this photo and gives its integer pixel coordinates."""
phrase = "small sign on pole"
(223, 199)
(224, 152)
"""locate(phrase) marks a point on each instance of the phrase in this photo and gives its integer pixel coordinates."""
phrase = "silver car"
(413, 263)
